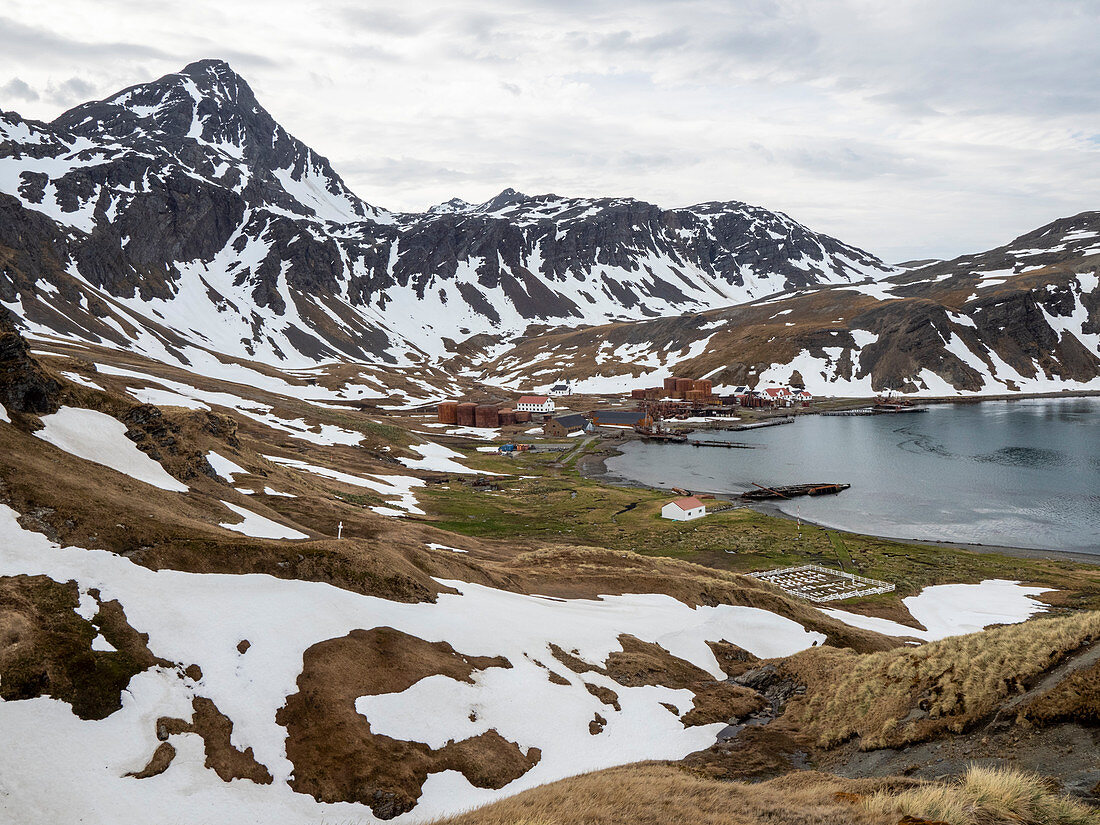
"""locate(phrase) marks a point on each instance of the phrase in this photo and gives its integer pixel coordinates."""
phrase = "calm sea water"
(1020, 473)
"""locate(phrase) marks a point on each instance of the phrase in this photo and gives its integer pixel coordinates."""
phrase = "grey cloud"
(389, 171)
(854, 160)
(34, 44)
(19, 90)
(71, 91)
(386, 21)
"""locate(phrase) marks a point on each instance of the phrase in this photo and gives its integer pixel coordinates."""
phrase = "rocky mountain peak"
(509, 197)
(206, 100)
(450, 207)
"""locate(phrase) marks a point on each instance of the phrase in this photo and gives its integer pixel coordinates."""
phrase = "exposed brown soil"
(732, 659)
(46, 648)
(228, 763)
(337, 757)
(604, 694)
(756, 753)
(722, 702)
(158, 763)
(645, 663)
(216, 730)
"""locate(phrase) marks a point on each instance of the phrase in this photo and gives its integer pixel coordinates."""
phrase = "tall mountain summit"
(178, 213)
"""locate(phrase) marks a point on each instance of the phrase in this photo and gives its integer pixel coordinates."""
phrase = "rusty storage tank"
(695, 396)
(486, 415)
(670, 384)
(466, 414)
(507, 418)
(653, 393)
(637, 395)
(703, 384)
(523, 417)
(683, 384)
(448, 412)
(676, 394)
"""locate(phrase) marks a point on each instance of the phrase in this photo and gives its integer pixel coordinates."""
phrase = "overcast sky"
(911, 129)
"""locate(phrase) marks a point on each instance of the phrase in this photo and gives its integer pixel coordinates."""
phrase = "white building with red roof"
(535, 404)
(684, 509)
(780, 396)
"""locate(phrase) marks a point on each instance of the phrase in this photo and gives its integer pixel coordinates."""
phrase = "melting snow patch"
(167, 398)
(445, 547)
(400, 486)
(4, 414)
(475, 432)
(77, 378)
(439, 458)
(268, 491)
(956, 609)
(224, 467)
(97, 437)
(259, 527)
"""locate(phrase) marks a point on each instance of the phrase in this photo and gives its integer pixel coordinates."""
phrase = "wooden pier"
(771, 422)
(900, 410)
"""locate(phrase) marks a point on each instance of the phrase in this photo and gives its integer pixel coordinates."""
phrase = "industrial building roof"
(573, 421)
(618, 418)
(534, 399)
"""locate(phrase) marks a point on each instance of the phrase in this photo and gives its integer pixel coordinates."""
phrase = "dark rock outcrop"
(24, 385)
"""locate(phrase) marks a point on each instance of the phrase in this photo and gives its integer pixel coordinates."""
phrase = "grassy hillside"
(660, 794)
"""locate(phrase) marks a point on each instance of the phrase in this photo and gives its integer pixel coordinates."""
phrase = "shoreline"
(976, 399)
(594, 467)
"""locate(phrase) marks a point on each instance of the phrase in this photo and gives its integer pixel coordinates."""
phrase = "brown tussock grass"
(660, 794)
(665, 794)
(896, 697)
(985, 795)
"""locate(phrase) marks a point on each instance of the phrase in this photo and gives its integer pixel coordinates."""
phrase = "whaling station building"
(535, 403)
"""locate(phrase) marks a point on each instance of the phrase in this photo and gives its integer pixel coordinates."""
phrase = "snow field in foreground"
(96, 436)
(200, 618)
(54, 764)
(260, 527)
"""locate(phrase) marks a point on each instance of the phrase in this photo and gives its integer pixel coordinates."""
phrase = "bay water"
(1020, 473)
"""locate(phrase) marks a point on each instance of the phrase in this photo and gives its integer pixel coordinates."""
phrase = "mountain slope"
(178, 214)
(1022, 317)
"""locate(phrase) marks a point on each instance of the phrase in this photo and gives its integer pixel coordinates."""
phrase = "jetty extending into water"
(756, 425)
(877, 411)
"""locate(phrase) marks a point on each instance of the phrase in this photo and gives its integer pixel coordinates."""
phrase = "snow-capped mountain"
(179, 214)
(1024, 317)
